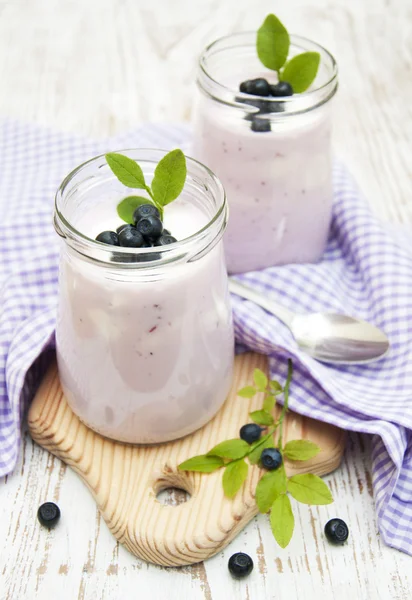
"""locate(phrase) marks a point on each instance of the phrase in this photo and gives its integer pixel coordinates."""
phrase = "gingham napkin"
(366, 271)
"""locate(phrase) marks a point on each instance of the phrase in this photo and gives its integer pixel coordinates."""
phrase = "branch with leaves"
(167, 184)
(273, 44)
(274, 486)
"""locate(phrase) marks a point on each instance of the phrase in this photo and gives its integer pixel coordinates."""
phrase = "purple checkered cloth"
(366, 271)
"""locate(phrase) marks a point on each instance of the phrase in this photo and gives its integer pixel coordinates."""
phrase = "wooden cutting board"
(125, 480)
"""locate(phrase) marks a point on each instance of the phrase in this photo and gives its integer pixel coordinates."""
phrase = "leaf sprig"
(272, 45)
(273, 488)
(167, 184)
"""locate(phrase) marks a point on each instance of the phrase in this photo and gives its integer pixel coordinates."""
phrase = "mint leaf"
(247, 392)
(301, 450)
(301, 70)
(169, 177)
(127, 206)
(272, 43)
(126, 170)
(261, 417)
(230, 449)
(257, 447)
(201, 463)
(260, 379)
(233, 477)
(309, 489)
(276, 387)
(282, 520)
(270, 486)
(269, 403)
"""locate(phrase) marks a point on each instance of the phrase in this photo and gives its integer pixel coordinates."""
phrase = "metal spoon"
(329, 338)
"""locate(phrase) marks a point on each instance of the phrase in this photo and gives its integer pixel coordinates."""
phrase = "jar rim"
(94, 250)
(296, 40)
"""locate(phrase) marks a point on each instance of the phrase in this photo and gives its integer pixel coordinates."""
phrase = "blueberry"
(48, 514)
(257, 87)
(250, 433)
(240, 565)
(165, 240)
(129, 237)
(336, 531)
(150, 227)
(244, 87)
(271, 459)
(145, 210)
(119, 229)
(108, 237)
(260, 125)
(283, 88)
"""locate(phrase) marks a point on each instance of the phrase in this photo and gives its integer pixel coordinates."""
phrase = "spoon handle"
(244, 291)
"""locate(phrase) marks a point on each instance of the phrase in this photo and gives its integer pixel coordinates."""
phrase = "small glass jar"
(144, 337)
(273, 155)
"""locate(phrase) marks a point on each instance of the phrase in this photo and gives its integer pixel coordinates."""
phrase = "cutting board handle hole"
(172, 496)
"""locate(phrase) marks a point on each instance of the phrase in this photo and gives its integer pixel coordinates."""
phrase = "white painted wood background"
(103, 66)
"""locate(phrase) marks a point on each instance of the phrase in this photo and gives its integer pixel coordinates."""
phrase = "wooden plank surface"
(100, 67)
(125, 480)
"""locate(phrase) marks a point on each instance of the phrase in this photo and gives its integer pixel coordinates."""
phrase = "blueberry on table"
(336, 531)
(240, 565)
(48, 514)
(271, 459)
(165, 240)
(260, 125)
(283, 88)
(129, 237)
(108, 237)
(150, 227)
(250, 433)
(145, 210)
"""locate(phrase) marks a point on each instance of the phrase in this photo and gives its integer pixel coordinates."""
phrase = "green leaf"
(126, 170)
(230, 449)
(247, 392)
(301, 70)
(282, 520)
(260, 379)
(272, 43)
(127, 206)
(269, 402)
(202, 463)
(269, 487)
(301, 450)
(276, 387)
(234, 475)
(261, 417)
(309, 489)
(257, 447)
(169, 177)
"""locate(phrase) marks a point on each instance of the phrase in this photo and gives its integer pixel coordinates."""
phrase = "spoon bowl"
(327, 337)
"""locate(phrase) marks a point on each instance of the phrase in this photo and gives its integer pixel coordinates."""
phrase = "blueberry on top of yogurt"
(281, 89)
(108, 237)
(257, 87)
(150, 227)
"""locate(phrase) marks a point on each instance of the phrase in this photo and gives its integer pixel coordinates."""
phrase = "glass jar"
(144, 337)
(278, 179)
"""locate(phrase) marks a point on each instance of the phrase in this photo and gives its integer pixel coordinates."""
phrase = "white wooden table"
(100, 67)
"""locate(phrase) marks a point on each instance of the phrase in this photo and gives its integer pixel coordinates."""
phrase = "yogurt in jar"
(145, 351)
(278, 182)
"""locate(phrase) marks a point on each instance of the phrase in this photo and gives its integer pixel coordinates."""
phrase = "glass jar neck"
(93, 182)
(232, 59)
